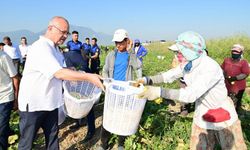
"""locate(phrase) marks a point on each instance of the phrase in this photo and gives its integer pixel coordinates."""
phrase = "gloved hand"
(150, 93)
(142, 80)
(169, 102)
(231, 79)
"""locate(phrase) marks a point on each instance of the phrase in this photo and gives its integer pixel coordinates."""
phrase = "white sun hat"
(173, 48)
(120, 35)
(238, 47)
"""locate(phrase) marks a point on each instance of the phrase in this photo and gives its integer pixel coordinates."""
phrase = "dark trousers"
(29, 124)
(22, 65)
(106, 135)
(5, 111)
(239, 96)
(90, 121)
(95, 66)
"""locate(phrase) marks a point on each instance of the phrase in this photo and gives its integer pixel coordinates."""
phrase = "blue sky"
(148, 19)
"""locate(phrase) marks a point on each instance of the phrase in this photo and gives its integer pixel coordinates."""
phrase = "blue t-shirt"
(94, 49)
(74, 46)
(87, 47)
(121, 64)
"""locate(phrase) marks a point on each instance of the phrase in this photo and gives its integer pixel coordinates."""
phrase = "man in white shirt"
(14, 52)
(40, 93)
(9, 82)
(24, 47)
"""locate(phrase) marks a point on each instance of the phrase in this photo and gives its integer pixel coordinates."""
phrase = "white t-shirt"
(136, 49)
(39, 89)
(24, 50)
(13, 51)
(7, 71)
(205, 87)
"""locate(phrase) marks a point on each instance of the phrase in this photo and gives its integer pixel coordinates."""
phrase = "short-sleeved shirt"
(87, 48)
(74, 46)
(94, 49)
(121, 65)
(7, 71)
(232, 68)
(13, 51)
(39, 89)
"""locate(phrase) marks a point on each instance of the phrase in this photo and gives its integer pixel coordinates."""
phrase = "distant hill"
(103, 39)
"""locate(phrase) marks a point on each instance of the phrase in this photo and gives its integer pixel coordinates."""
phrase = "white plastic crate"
(79, 98)
(122, 108)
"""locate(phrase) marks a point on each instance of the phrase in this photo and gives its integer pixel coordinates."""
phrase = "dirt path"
(73, 139)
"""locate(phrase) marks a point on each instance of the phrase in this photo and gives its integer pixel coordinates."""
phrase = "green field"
(158, 128)
(161, 130)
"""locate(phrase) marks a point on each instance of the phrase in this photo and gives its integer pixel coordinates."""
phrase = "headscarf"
(237, 51)
(238, 47)
(191, 44)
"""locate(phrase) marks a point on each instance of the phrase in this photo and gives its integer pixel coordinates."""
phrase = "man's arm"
(105, 70)
(16, 81)
(95, 56)
(67, 74)
(144, 51)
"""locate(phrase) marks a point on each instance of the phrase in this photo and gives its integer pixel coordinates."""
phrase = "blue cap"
(137, 41)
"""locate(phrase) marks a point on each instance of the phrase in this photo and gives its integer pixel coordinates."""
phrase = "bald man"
(40, 93)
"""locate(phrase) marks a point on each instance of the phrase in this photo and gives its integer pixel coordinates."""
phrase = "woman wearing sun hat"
(215, 119)
(236, 71)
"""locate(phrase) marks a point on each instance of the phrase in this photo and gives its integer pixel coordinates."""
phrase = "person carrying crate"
(120, 64)
(215, 119)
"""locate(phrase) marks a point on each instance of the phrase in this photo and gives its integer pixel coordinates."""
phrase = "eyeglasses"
(63, 32)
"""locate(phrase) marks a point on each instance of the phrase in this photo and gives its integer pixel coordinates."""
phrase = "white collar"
(48, 40)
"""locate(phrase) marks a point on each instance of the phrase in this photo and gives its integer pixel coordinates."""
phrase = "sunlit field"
(159, 129)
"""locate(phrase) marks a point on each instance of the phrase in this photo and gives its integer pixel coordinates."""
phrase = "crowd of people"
(215, 89)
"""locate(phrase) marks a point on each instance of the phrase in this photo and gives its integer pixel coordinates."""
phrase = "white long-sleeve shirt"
(206, 87)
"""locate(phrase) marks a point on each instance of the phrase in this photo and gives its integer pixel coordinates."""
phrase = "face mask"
(236, 56)
(181, 58)
(182, 61)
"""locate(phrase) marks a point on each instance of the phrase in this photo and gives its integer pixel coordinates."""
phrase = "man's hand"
(90, 61)
(95, 79)
(150, 93)
(15, 105)
(175, 62)
(130, 45)
(72, 68)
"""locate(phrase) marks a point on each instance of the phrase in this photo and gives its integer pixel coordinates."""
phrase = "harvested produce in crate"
(78, 95)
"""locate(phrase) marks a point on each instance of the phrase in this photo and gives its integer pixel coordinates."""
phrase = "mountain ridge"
(103, 38)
